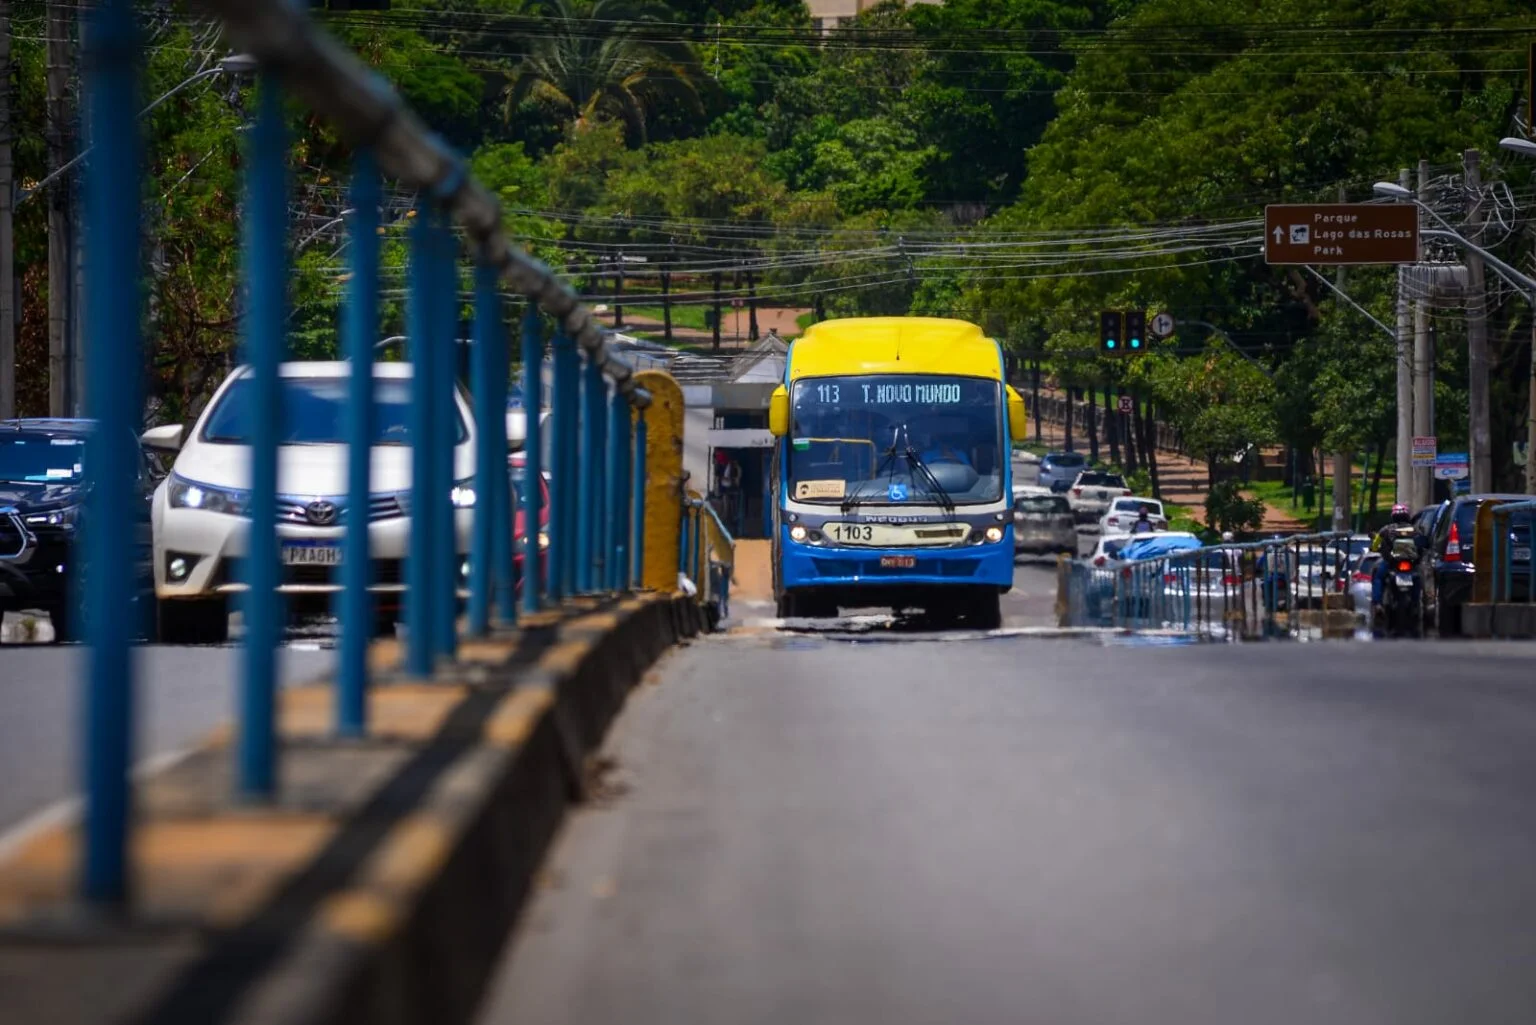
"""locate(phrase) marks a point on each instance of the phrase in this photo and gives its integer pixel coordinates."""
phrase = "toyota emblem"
(321, 513)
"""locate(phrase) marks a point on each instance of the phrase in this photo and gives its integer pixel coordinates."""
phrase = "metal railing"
(597, 487)
(1231, 591)
(708, 552)
(1503, 560)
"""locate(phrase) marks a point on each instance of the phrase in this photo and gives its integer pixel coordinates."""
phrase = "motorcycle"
(1401, 602)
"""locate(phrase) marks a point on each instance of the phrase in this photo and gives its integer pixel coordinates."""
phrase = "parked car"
(1447, 569)
(1108, 549)
(43, 489)
(1123, 513)
(1043, 523)
(1360, 583)
(1092, 491)
(1059, 469)
(199, 512)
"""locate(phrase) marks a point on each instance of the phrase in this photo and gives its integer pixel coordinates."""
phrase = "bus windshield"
(896, 438)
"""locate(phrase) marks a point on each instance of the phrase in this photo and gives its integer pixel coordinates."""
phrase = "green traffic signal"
(1135, 328)
(1109, 330)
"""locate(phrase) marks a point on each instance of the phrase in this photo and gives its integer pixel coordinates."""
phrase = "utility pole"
(1423, 365)
(60, 252)
(716, 340)
(7, 227)
(1479, 435)
(618, 292)
(1343, 462)
(1404, 376)
(1530, 417)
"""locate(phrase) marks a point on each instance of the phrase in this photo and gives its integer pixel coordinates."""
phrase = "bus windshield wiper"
(946, 502)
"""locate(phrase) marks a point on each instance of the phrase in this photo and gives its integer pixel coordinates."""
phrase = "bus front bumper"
(807, 565)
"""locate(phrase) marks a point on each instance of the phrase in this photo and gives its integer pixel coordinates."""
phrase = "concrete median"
(380, 885)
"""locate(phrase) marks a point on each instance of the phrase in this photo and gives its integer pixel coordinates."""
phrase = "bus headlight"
(994, 534)
(797, 533)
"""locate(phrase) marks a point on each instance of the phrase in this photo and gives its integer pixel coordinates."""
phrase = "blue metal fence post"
(114, 361)
(589, 509)
(562, 488)
(265, 323)
(503, 578)
(637, 504)
(418, 564)
(488, 439)
(360, 328)
(445, 420)
(619, 455)
(533, 459)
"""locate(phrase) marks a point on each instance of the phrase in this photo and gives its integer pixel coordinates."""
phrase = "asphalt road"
(1015, 830)
(182, 693)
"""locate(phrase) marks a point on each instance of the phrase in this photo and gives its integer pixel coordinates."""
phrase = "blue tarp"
(1154, 546)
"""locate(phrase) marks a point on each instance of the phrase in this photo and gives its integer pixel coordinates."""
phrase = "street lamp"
(234, 65)
(1513, 144)
(1392, 190)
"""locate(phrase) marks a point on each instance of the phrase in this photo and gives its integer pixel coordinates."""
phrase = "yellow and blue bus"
(892, 470)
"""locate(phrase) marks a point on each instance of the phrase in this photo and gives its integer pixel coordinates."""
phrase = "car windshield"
(1136, 505)
(1042, 505)
(851, 438)
(1066, 459)
(41, 458)
(1112, 548)
(313, 412)
(1096, 479)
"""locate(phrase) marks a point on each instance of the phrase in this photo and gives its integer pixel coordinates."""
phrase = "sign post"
(1423, 452)
(1451, 466)
(1341, 233)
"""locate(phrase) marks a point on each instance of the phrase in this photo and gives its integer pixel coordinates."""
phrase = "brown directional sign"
(1319, 233)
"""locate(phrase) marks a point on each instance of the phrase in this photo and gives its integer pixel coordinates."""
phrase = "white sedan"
(1123, 513)
(200, 511)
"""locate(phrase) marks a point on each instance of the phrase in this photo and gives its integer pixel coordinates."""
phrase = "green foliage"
(1226, 509)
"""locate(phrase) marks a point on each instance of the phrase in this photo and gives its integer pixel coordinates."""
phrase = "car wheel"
(986, 611)
(200, 621)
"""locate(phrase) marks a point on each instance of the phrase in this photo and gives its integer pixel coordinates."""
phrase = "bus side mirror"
(778, 412)
(1018, 417)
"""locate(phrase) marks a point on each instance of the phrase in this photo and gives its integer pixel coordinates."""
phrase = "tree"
(598, 59)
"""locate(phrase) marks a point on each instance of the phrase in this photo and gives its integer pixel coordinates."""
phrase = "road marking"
(67, 810)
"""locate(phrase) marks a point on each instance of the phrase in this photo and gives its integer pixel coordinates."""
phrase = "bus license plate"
(898, 561)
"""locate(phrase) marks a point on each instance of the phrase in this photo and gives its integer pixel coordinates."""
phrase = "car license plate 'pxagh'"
(311, 555)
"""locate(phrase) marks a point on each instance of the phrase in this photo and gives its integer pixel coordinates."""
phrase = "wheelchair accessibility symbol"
(897, 492)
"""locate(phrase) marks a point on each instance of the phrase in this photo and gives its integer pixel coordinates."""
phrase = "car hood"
(28, 496)
(315, 470)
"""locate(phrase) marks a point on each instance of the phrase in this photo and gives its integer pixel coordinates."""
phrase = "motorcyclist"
(1143, 524)
(1399, 528)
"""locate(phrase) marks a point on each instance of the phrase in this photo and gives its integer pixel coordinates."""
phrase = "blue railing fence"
(597, 487)
(1231, 591)
(1505, 565)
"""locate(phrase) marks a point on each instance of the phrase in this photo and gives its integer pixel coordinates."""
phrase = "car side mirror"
(778, 412)
(1018, 417)
(165, 438)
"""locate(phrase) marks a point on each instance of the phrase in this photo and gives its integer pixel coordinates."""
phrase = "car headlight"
(994, 534)
(185, 494)
(66, 517)
(463, 494)
(797, 533)
(543, 540)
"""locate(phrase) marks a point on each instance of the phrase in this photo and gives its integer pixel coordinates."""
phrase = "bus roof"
(894, 345)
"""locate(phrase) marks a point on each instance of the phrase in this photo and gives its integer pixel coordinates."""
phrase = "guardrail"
(707, 561)
(597, 490)
(1231, 591)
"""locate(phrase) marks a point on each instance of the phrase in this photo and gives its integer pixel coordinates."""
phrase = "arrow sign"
(1279, 235)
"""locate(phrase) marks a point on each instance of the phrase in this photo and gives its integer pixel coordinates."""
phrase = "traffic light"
(1111, 341)
(1135, 330)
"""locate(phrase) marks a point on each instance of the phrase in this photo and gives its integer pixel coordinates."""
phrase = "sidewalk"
(782, 320)
(1181, 480)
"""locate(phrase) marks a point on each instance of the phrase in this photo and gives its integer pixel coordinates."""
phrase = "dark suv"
(42, 494)
(1448, 567)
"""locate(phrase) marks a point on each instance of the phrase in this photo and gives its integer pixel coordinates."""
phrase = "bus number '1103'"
(853, 532)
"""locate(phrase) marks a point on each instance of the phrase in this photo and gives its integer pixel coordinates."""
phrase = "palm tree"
(617, 59)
